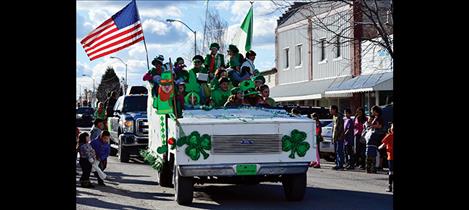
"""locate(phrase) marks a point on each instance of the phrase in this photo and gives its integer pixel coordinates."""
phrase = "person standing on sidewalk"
(338, 137)
(388, 142)
(87, 156)
(349, 139)
(102, 148)
(359, 121)
(316, 164)
(98, 127)
(375, 138)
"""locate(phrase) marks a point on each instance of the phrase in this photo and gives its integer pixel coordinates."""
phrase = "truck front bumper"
(230, 169)
(131, 140)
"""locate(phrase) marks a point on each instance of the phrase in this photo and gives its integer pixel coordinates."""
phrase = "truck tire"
(183, 187)
(165, 175)
(294, 186)
(123, 154)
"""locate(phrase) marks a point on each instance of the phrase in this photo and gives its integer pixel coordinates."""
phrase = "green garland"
(164, 147)
(156, 162)
(295, 143)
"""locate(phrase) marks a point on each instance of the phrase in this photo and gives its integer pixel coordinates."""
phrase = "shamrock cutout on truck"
(295, 143)
(196, 144)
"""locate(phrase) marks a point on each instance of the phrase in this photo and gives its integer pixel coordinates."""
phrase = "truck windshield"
(135, 104)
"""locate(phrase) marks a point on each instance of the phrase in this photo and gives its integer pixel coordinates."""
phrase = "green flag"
(243, 37)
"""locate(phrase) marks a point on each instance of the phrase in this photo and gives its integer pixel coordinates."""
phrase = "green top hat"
(259, 78)
(216, 45)
(235, 90)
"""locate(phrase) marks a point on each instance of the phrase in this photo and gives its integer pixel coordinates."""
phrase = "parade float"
(244, 145)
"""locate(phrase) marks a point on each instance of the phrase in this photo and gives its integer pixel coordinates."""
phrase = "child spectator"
(87, 156)
(388, 142)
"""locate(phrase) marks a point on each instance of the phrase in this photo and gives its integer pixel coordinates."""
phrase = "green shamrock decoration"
(196, 144)
(295, 143)
(246, 85)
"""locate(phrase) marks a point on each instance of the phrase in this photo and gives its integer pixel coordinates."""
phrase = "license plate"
(246, 169)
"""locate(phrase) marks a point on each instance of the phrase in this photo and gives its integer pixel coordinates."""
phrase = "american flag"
(123, 29)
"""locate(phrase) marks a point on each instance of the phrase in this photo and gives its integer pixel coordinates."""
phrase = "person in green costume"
(205, 92)
(221, 94)
(214, 60)
(164, 102)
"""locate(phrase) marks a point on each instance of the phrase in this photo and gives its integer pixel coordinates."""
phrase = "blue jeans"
(339, 153)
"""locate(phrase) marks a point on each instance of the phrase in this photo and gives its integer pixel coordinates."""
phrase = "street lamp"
(195, 33)
(125, 70)
(93, 95)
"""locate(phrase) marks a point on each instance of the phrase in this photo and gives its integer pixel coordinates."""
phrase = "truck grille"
(245, 144)
(142, 127)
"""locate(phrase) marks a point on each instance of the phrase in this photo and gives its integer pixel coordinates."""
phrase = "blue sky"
(170, 39)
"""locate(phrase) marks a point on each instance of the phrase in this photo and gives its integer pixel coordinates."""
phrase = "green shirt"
(219, 97)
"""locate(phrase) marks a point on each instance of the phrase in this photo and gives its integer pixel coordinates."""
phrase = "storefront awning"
(363, 83)
(308, 90)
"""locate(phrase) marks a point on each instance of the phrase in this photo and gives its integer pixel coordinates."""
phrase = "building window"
(323, 49)
(286, 58)
(337, 47)
(298, 55)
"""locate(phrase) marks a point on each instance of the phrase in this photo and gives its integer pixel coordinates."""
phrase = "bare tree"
(215, 30)
(353, 21)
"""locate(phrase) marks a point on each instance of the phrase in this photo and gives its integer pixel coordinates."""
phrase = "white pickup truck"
(245, 145)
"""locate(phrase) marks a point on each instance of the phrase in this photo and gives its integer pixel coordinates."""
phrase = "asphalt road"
(134, 187)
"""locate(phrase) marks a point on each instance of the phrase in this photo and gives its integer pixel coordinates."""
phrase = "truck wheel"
(123, 154)
(294, 186)
(165, 175)
(184, 188)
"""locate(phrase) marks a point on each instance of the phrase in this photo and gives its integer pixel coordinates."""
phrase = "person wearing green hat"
(251, 96)
(236, 98)
(221, 94)
(199, 71)
(214, 60)
(259, 80)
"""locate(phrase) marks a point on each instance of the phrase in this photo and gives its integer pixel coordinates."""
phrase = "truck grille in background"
(245, 144)
(142, 127)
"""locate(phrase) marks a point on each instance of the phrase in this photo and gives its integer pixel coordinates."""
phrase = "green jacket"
(219, 97)
(219, 61)
(236, 60)
(101, 115)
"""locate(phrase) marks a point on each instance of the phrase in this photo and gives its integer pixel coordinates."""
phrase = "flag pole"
(146, 51)
(144, 42)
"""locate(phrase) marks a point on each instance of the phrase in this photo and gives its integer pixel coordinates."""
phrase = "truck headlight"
(129, 126)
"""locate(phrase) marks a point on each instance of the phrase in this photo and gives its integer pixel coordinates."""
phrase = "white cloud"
(222, 5)
(161, 12)
(157, 27)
